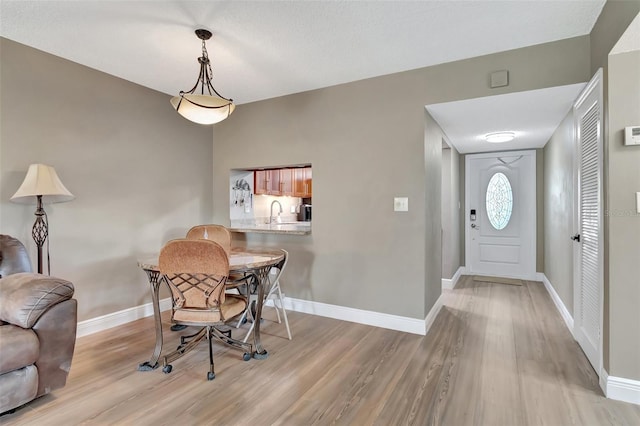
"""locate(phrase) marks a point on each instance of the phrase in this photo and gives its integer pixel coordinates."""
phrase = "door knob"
(474, 226)
(576, 238)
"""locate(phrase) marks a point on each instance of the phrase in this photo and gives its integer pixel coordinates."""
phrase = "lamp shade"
(42, 180)
(202, 109)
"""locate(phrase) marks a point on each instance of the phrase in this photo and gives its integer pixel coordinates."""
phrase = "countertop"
(289, 228)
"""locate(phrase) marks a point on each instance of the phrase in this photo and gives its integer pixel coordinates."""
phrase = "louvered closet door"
(588, 265)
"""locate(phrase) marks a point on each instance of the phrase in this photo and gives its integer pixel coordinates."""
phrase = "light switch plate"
(638, 202)
(401, 204)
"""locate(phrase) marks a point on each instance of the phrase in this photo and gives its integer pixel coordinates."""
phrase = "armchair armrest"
(26, 296)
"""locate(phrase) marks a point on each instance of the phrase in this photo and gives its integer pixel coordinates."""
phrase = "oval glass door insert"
(499, 200)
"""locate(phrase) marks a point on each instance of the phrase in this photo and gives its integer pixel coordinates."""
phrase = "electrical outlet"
(400, 204)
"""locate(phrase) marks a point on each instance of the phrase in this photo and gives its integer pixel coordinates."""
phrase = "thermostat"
(632, 135)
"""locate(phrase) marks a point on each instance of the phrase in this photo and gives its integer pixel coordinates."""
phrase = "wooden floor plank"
(495, 355)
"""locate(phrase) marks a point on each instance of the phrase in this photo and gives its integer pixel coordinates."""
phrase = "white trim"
(114, 319)
(604, 377)
(593, 88)
(564, 312)
(622, 389)
(433, 313)
(450, 284)
(360, 316)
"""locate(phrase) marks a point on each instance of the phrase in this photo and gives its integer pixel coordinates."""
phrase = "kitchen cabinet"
(291, 182)
(286, 182)
(273, 182)
(260, 182)
(302, 182)
(268, 182)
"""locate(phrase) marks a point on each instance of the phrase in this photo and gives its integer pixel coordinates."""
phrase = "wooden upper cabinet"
(260, 182)
(292, 182)
(273, 182)
(302, 182)
(286, 182)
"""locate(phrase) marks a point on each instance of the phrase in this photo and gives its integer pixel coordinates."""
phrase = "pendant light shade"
(204, 106)
(202, 109)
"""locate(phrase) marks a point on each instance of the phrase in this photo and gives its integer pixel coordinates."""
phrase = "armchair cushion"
(24, 304)
(13, 256)
(20, 347)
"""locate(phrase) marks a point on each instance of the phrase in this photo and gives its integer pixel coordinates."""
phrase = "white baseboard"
(564, 312)
(114, 319)
(377, 319)
(450, 284)
(622, 389)
(360, 316)
(603, 378)
(617, 388)
(433, 313)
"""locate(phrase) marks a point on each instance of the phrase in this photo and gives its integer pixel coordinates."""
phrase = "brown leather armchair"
(38, 321)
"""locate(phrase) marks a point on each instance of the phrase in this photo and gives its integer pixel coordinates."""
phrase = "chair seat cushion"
(20, 347)
(233, 306)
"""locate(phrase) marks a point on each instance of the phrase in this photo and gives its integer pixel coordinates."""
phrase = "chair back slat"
(217, 233)
(196, 271)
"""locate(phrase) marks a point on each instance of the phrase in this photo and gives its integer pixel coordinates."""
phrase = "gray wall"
(611, 24)
(450, 212)
(624, 222)
(558, 210)
(141, 174)
(370, 141)
(621, 349)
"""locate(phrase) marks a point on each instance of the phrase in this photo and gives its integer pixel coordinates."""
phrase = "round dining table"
(257, 261)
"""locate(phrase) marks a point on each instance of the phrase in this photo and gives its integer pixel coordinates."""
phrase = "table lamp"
(41, 185)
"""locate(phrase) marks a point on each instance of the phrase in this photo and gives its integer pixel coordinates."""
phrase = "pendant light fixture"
(206, 105)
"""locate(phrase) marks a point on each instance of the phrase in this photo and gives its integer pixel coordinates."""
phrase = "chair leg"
(250, 318)
(284, 312)
(242, 319)
(185, 346)
(275, 306)
(211, 374)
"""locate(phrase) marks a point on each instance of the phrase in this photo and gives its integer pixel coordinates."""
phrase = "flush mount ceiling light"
(499, 137)
(206, 106)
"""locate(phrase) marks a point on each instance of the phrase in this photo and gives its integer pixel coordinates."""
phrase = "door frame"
(596, 84)
(467, 222)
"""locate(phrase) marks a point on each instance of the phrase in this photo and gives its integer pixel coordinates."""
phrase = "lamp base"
(40, 230)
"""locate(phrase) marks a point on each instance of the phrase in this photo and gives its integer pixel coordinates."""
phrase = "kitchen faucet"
(271, 212)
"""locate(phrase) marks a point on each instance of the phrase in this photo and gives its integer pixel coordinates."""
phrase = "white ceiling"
(265, 49)
(533, 116)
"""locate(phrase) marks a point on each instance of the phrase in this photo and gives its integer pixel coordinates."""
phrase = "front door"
(500, 221)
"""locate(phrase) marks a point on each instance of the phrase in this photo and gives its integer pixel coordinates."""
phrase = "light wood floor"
(496, 355)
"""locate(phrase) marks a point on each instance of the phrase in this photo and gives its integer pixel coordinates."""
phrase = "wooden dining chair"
(218, 233)
(273, 293)
(197, 271)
